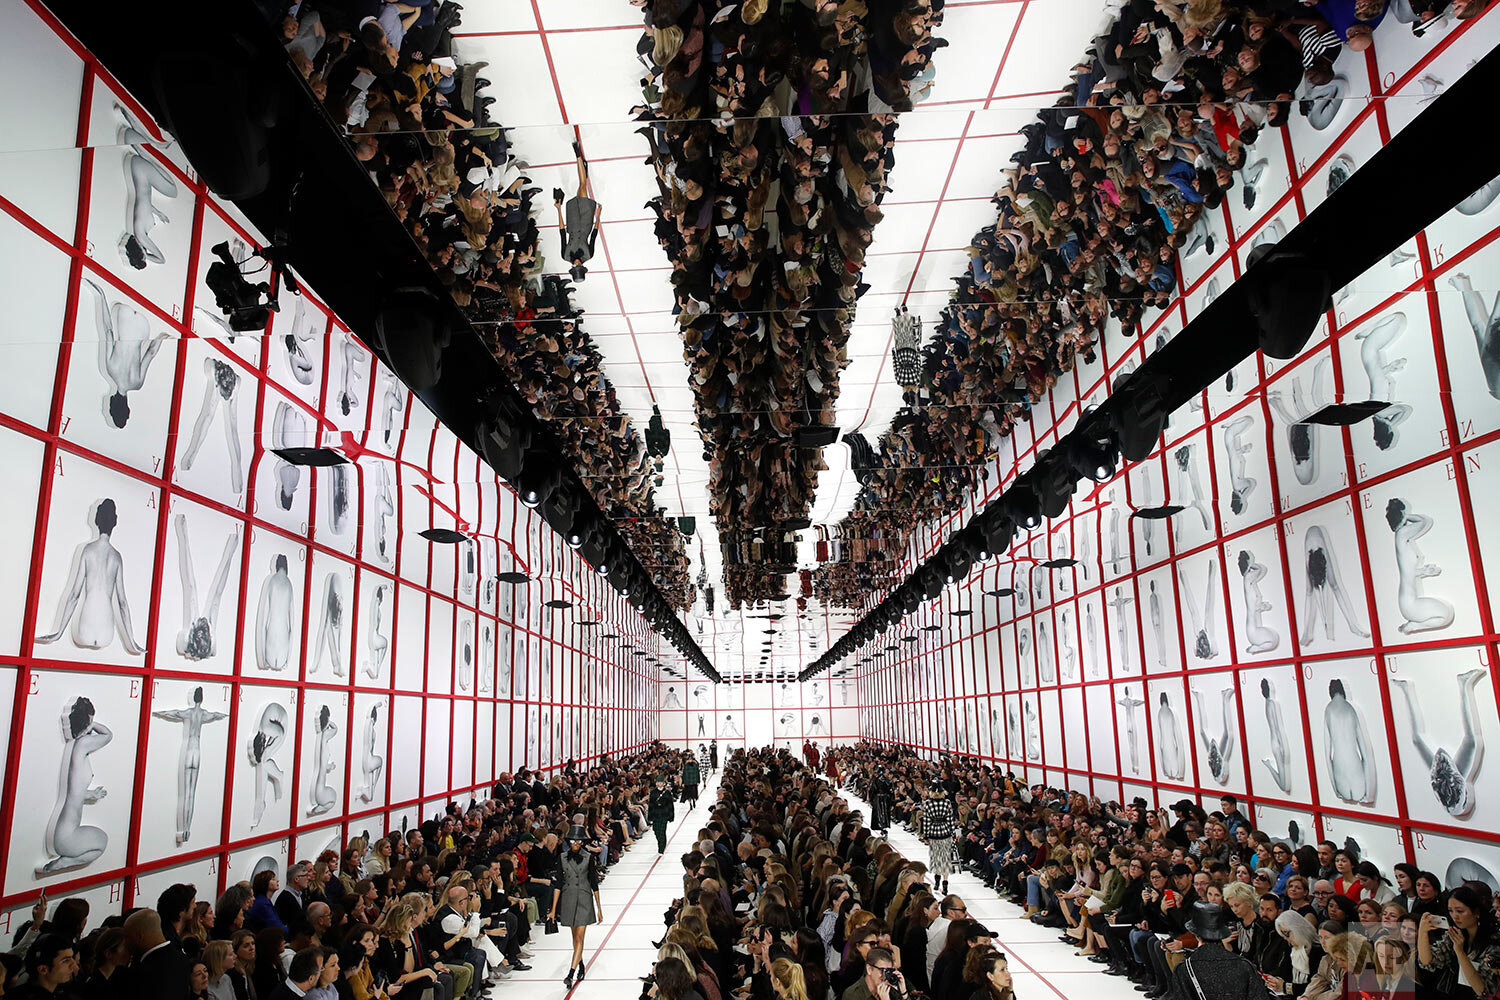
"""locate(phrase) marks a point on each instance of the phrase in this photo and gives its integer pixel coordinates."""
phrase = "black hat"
(576, 832)
(937, 786)
(1209, 922)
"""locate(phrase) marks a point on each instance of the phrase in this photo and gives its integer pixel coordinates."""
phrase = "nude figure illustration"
(371, 762)
(1302, 438)
(1169, 741)
(1259, 637)
(288, 430)
(71, 845)
(145, 178)
(95, 591)
(379, 624)
(189, 761)
(1381, 374)
(1325, 587)
(1422, 612)
(1279, 763)
(273, 618)
(321, 796)
(221, 388)
(1451, 776)
(199, 637)
(1130, 704)
(331, 627)
(270, 732)
(1346, 747)
(126, 349)
(1220, 751)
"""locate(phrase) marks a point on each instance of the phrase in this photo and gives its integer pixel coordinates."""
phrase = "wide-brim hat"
(576, 832)
(1209, 922)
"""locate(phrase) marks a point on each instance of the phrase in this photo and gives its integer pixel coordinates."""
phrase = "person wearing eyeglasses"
(951, 908)
(1322, 893)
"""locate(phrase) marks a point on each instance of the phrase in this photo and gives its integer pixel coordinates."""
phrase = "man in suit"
(158, 968)
(305, 971)
(290, 906)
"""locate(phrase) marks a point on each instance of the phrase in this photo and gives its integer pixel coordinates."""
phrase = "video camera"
(247, 306)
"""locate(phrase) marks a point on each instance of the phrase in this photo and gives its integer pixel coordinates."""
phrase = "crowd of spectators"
(771, 129)
(441, 911)
(1157, 126)
(391, 76)
(1120, 881)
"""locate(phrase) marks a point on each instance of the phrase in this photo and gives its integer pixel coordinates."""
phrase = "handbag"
(550, 927)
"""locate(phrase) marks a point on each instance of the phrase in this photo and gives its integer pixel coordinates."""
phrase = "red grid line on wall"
(1454, 452)
(56, 447)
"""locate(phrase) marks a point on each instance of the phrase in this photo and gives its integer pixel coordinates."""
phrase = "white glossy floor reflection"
(641, 885)
(1041, 966)
(635, 893)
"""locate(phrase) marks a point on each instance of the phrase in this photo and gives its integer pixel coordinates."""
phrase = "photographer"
(881, 981)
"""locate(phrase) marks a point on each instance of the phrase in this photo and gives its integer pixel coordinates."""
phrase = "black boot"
(580, 972)
(568, 979)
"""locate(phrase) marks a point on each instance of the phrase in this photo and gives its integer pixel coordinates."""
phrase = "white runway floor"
(641, 885)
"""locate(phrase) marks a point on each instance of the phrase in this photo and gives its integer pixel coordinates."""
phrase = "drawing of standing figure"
(193, 719)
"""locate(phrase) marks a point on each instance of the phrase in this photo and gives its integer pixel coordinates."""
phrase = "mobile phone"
(1169, 896)
(1440, 923)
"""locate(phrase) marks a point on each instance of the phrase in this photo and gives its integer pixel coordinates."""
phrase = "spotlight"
(560, 509)
(505, 437)
(997, 529)
(930, 581)
(1138, 413)
(1054, 482)
(541, 476)
(1024, 504)
(410, 332)
(443, 536)
(957, 558)
(1093, 450)
(1288, 293)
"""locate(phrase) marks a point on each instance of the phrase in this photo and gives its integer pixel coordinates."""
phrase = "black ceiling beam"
(309, 193)
(1373, 213)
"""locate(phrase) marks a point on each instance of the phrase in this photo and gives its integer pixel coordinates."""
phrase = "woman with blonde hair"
(909, 876)
(218, 957)
(378, 858)
(787, 980)
(398, 955)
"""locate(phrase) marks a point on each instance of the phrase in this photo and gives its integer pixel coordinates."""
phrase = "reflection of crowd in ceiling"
(422, 128)
(1157, 127)
(771, 128)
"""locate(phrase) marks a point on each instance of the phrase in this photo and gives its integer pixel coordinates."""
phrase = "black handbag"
(550, 927)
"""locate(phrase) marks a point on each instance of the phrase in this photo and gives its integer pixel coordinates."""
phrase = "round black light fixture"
(586, 624)
(961, 613)
(1002, 592)
(932, 628)
(512, 577)
(908, 638)
(558, 603)
(609, 635)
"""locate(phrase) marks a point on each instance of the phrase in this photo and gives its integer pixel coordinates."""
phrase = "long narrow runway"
(641, 884)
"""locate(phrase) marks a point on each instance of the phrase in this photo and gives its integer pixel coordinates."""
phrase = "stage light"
(1023, 504)
(1288, 294)
(410, 331)
(1137, 413)
(504, 438)
(541, 476)
(1093, 450)
(560, 509)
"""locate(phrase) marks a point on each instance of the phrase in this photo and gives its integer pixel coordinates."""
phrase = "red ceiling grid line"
(952, 166)
(604, 243)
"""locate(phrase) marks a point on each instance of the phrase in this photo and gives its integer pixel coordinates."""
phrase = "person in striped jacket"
(937, 830)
